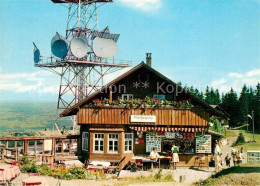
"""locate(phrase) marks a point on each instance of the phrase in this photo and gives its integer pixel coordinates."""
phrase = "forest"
(237, 105)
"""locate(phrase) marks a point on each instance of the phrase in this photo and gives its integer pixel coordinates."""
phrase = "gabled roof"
(74, 109)
(217, 107)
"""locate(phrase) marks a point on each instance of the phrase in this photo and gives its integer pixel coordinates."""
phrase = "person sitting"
(154, 154)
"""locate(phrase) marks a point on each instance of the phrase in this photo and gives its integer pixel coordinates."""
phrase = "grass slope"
(237, 175)
(233, 134)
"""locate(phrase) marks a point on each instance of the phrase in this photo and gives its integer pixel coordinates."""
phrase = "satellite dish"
(59, 46)
(79, 46)
(104, 47)
(36, 54)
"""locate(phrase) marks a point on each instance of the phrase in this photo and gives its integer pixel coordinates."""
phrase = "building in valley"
(139, 110)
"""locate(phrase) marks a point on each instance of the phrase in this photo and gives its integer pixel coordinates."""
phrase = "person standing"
(217, 156)
(234, 154)
(175, 156)
(240, 157)
(235, 158)
(228, 159)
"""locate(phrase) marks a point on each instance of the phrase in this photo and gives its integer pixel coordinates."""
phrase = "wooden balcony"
(115, 115)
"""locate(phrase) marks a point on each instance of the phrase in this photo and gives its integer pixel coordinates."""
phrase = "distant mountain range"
(22, 116)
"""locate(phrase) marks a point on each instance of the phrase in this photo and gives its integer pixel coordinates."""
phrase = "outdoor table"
(163, 157)
(103, 163)
(145, 160)
(34, 180)
(9, 172)
(71, 163)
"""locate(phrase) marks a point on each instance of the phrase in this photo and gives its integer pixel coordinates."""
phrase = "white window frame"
(128, 96)
(113, 140)
(128, 139)
(159, 96)
(99, 140)
(85, 140)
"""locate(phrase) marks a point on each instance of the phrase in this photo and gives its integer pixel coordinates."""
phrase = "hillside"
(18, 117)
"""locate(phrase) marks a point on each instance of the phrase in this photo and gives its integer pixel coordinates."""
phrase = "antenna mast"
(79, 58)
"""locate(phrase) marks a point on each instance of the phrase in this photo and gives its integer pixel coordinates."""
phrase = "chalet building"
(139, 110)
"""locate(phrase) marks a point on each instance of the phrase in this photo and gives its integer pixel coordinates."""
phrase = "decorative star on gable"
(136, 84)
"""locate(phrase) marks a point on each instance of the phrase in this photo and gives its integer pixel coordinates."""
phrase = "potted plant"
(106, 102)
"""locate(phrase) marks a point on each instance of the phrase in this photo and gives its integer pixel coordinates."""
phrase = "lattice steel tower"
(84, 56)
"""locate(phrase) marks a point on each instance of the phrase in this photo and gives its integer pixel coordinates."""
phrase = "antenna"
(36, 54)
(79, 46)
(84, 56)
(104, 47)
(59, 46)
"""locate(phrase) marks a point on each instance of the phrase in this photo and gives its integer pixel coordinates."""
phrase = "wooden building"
(110, 130)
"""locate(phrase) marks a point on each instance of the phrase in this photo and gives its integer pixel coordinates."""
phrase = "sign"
(170, 135)
(188, 136)
(253, 156)
(160, 133)
(143, 119)
(225, 142)
(153, 141)
(140, 141)
(151, 133)
(203, 144)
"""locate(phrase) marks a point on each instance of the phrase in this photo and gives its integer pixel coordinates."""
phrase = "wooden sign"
(203, 144)
(142, 119)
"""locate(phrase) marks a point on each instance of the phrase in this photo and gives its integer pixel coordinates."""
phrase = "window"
(129, 142)
(113, 143)
(159, 96)
(98, 142)
(127, 96)
(85, 141)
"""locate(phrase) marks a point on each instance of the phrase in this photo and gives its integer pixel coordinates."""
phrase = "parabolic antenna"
(36, 54)
(79, 46)
(104, 47)
(59, 46)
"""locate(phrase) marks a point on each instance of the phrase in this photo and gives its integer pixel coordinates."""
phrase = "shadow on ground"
(238, 170)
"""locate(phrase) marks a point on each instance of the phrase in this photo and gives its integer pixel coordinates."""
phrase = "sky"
(196, 42)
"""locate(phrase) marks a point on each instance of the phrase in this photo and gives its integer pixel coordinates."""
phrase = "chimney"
(149, 59)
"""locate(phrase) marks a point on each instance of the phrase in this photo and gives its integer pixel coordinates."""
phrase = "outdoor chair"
(139, 164)
(16, 162)
(200, 159)
(32, 184)
(131, 166)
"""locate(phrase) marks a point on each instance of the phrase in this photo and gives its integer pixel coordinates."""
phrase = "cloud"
(252, 73)
(36, 82)
(144, 5)
(237, 80)
(236, 75)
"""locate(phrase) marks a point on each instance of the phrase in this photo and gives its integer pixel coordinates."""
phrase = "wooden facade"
(195, 117)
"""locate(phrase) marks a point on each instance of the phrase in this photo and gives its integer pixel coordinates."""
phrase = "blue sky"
(197, 42)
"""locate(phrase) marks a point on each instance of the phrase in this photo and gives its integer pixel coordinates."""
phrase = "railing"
(164, 116)
(42, 148)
